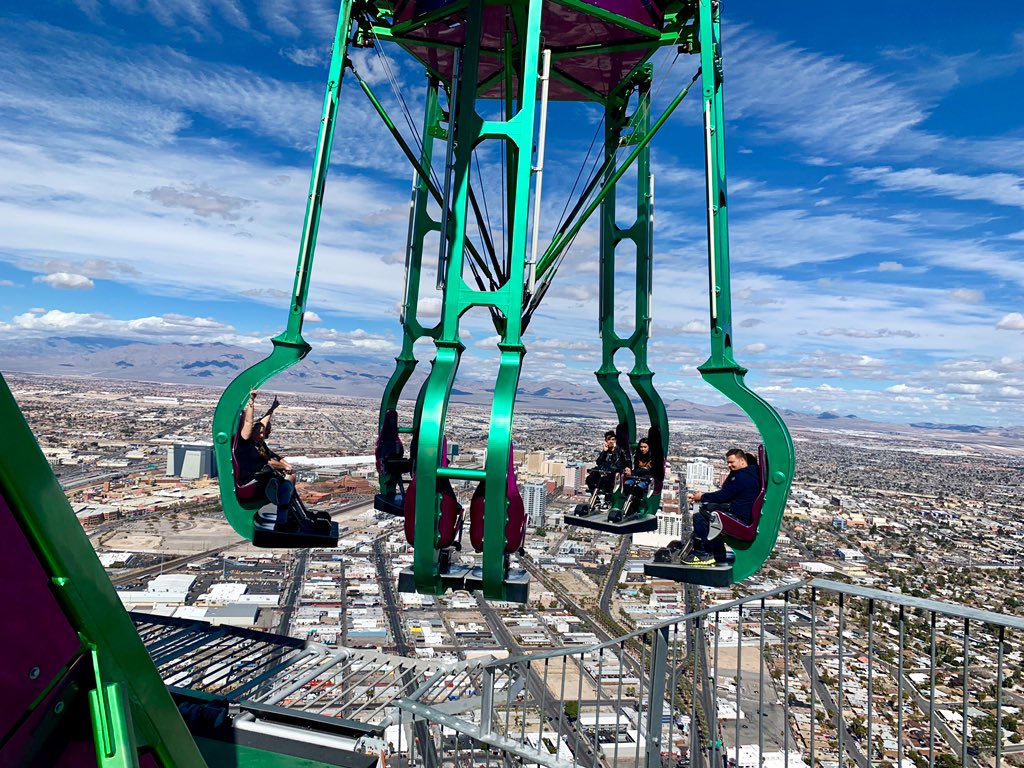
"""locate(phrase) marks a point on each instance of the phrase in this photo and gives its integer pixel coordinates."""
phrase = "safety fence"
(809, 673)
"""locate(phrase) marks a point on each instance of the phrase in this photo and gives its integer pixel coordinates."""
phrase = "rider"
(639, 480)
(256, 461)
(612, 460)
(736, 498)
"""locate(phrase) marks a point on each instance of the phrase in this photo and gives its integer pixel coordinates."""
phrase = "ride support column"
(721, 369)
(421, 223)
(608, 374)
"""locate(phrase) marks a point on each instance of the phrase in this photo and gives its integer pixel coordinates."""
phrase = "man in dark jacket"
(612, 460)
(736, 499)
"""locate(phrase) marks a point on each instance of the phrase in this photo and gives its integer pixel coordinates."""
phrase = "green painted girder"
(289, 346)
(721, 369)
(640, 234)
(420, 225)
(564, 237)
(132, 706)
(518, 132)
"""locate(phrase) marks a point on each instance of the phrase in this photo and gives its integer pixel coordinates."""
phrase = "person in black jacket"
(736, 498)
(256, 461)
(612, 460)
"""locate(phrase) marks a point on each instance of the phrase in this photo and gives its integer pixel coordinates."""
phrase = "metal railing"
(815, 673)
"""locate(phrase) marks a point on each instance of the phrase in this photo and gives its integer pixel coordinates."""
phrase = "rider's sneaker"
(700, 560)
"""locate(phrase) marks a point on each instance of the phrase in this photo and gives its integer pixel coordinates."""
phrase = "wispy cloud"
(998, 188)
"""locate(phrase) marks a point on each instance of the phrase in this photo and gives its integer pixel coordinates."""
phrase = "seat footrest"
(461, 577)
(393, 505)
(305, 535)
(453, 578)
(517, 584)
(635, 524)
(703, 575)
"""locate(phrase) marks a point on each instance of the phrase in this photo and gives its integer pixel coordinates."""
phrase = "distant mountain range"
(215, 365)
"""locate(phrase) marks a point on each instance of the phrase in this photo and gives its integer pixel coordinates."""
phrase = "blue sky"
(155, 159)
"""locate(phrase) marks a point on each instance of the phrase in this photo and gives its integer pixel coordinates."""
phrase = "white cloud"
(889, 266)
(169, 327)
(7, 284)
(311, 317)
(65, 280)
(1014, 321)
(967, 295)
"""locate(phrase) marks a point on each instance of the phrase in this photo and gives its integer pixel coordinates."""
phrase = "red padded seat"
(515, 527)
(449, 525)
(732, 527)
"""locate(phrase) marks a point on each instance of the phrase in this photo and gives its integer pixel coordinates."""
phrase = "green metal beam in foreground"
(131, 706)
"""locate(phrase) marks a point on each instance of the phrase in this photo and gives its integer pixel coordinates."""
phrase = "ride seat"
(250, 491)
(389, 452)
(722, 524)
(449, 525)
(515, 510)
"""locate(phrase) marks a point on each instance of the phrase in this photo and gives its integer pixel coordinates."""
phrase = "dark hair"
(738, 452)
(751, 459)
(608, 434)
(643, 441)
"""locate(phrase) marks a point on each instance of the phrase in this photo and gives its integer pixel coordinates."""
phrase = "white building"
(535, 499)
(700, 475)
(191, 461)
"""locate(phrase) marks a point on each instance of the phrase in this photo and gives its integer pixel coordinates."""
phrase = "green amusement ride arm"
(130, 702)
(289, 346)
(721, 370)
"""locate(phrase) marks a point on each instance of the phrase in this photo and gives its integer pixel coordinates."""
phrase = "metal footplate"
(517, 584)
(453, 579)
(315, 532)
(306, 535)
(461, 577)
(393, 505)
(633, 524)
(703, 575)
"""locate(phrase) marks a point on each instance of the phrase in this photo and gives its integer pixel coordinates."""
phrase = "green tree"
(572, 709)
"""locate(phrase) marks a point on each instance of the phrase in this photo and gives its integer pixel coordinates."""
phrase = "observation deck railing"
(810, 673)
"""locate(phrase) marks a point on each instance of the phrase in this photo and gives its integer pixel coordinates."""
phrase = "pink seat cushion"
(515, 527)
(450, 523)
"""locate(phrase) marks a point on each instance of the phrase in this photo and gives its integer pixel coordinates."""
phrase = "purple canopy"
(561, 28)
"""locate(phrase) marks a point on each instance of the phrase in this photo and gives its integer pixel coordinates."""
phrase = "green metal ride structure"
(507, 61)
(95, 692)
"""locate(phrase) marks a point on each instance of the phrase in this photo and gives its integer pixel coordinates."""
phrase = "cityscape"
(930, 515)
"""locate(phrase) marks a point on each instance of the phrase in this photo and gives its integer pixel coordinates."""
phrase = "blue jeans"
(701, 527)
(281, 492)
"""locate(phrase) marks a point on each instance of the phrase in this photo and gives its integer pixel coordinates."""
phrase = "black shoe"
(288, 526)
(615, 516)
(663, 555)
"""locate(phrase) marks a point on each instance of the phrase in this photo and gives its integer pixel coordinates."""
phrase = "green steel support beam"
(563, 239)
(721, 369)
(640, 234)
(608, 373)
(91, 605)
(289, 346)
(518, 133)
(420, 225)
